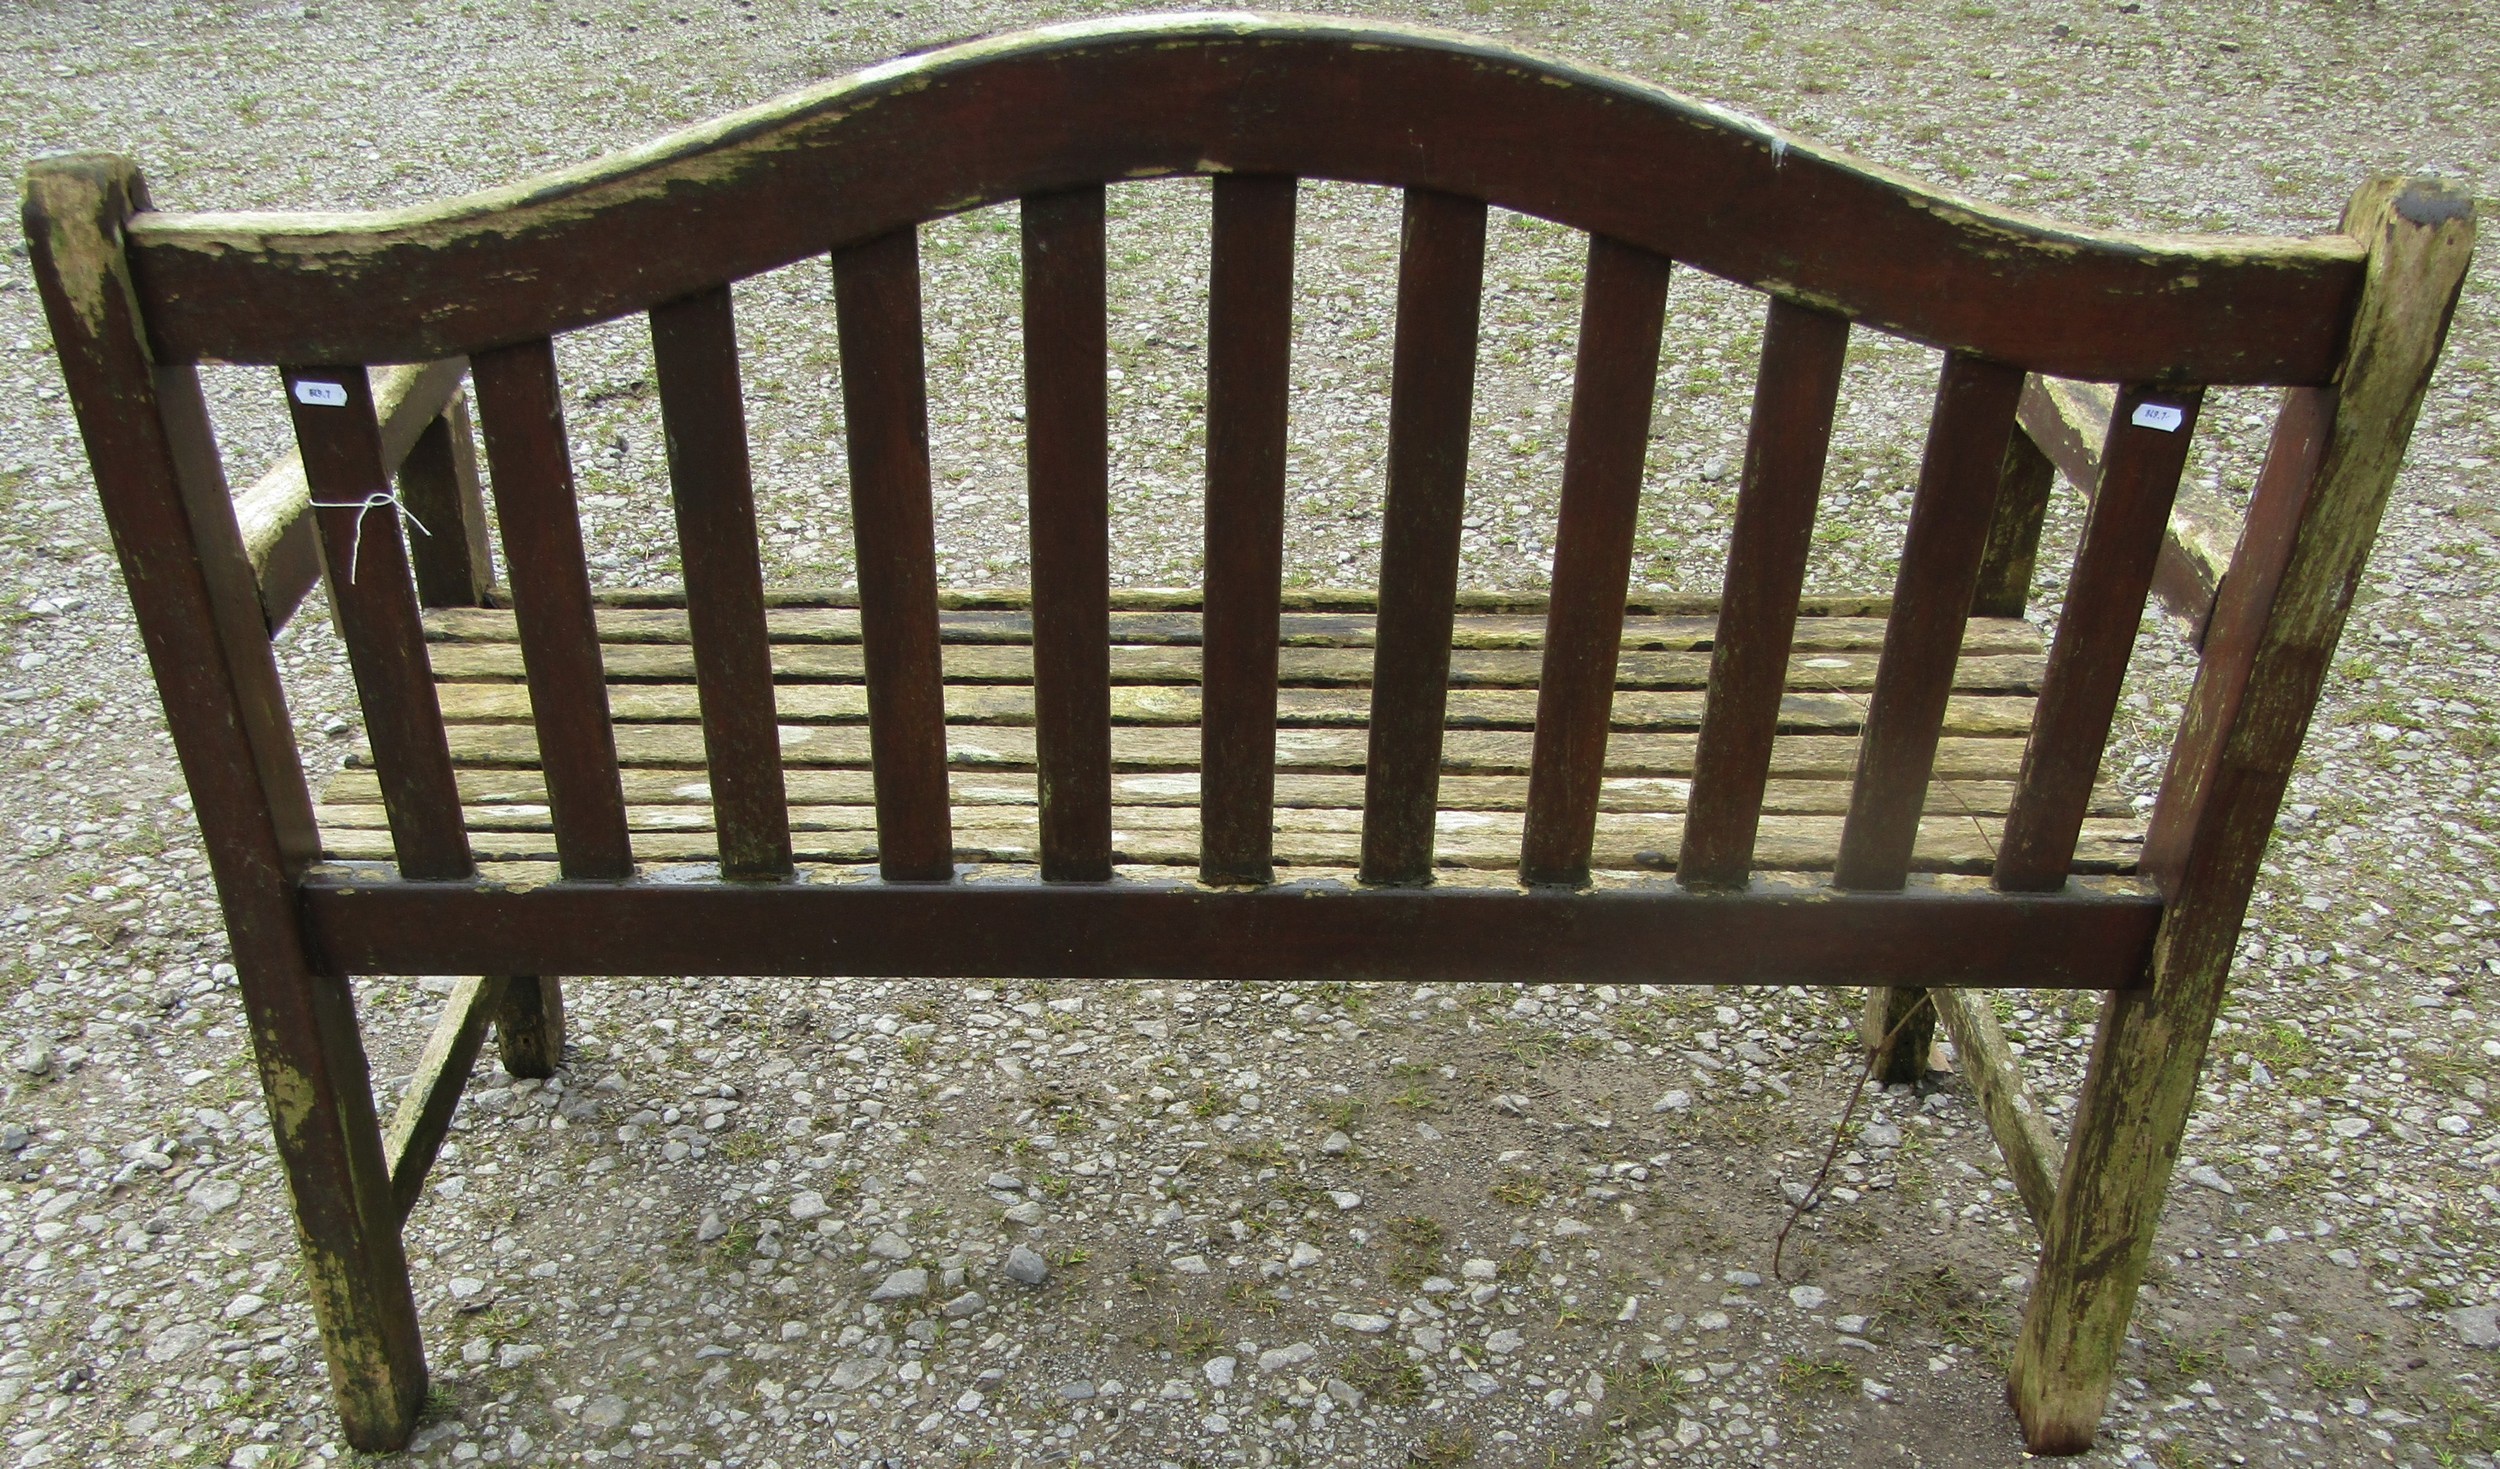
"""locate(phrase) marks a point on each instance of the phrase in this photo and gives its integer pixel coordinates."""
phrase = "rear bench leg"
(529, 1026)
(1899, 1031)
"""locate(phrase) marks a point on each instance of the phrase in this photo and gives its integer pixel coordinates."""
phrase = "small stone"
(2349, 1259)
(1880, 1135)
(1304, 1256)
(1190, 1265)
(1362, 1321)
(1025, 1266)
(1335, 1143)
(1277, 1359)
(1077, 1392)
(1029, 1213)
(1678, 1100)
(970, 1303)
(1479, 1269)
(175, 1342)
(1571, 1228)
(2206, 1175)
(856, 1373)
(1711, 1321)
(244, 1305)
(711, 1228)
(604, 1412)
(902, 1285)
(1004, 1182)
(889, 1246)
(1875, 1392)
(1346, 1393)
(35, 1059)
(1849, 1325)
(466, 1287)
(1344, 1199)
(2477, 1326)
(2455, 1125)
(214, 1195)
(2350, 1127)
(1807, 1297)
(1744, 1278)
(250, 1456)
(1219, 1371)
(807, 1204)
(516, 1353)
(1504, 1342)
(1715, 469)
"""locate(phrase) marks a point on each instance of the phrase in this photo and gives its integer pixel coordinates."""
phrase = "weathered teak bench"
(998, 759)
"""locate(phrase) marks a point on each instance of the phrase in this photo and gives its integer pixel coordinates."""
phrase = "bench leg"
(320, 1098)
(2128, 1125)
(1898, 1032)
(529, 1026)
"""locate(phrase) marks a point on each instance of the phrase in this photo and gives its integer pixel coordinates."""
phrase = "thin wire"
(363, 507)
(1840, 1134)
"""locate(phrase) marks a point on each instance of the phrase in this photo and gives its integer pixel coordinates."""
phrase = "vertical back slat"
(1431, 395)
(1622, 312)
(522, 412)
(694, 345)
(2023, 484)
(455, 564)
(1957, 487)
(885, 409)
(2141, 460)
(1794, 395)
(374, 596)
(1067, 457)
(1249, 354)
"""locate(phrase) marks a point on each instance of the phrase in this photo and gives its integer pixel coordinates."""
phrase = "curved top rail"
(989, 120)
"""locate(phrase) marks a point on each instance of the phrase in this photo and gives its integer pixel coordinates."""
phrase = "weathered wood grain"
(1751, 660)
(441, 1074)
(2274, 629)
(1623, 311)
(998, 118)
(1432, 384)
(1249, 357)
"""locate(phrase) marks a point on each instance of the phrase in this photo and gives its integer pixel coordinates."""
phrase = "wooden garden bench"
(1658, 790)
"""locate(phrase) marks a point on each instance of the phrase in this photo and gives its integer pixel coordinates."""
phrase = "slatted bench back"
(1047, 119)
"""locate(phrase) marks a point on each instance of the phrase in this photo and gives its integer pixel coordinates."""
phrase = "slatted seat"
(1324, 703)
(1233, 781)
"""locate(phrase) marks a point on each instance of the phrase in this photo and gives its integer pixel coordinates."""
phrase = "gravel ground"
(839, 1222)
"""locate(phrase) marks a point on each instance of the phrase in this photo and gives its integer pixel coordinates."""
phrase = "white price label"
(2159, 415)
(334, 395)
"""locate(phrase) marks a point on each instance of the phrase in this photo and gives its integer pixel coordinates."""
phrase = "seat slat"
(1133, 704)
(1249, 357)
(1431, 395)
(1068, 472)
(373, 594)
(1169, 836)
(1795, 394)
(2141, 464)
(1009, 747)
(1623, 311)
(885, 411)
(694, 346)
(1818, 629)
(1307, 668)
(490, 791)
(522, 412)
(1931, 600)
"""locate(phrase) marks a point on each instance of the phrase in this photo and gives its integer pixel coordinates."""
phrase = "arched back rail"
(1079, 104)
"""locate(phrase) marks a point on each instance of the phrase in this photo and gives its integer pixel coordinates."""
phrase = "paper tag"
(334, 395)
(2147, 415)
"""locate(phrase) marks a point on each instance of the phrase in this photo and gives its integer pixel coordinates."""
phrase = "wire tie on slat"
(370, 503)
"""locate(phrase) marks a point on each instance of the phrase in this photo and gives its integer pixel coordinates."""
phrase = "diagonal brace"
(416, 1133)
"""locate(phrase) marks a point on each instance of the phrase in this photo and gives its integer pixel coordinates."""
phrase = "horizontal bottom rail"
(2094, 935)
